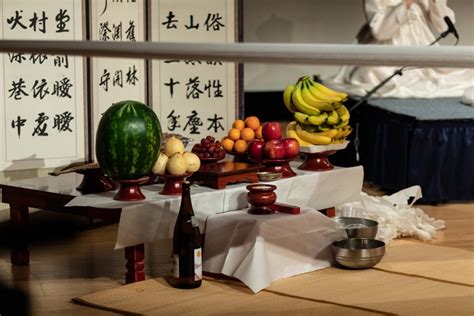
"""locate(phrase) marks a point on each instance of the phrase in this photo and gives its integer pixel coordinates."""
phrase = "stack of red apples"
(273, 146)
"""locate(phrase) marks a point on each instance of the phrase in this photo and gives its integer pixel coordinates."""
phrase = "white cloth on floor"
(390, 22)
(260, 249)
(395, 215)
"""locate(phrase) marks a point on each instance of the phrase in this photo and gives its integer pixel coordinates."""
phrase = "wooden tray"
(218, 175)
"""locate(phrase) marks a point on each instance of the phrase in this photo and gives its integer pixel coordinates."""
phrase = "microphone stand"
(398, 72)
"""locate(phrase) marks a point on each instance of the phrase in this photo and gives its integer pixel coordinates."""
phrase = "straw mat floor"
(413, 278)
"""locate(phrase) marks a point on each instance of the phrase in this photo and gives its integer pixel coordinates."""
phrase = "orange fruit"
(234, 134)
(227, 144)
(238, 124)
(253, 122)
(240, 146)
(258, 133)
(247, 134)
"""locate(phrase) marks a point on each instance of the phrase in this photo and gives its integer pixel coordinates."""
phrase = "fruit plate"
(316, 157)
(275, 165)
(323, 148)
(211, 160)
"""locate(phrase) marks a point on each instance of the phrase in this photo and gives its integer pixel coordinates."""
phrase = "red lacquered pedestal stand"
(130, 189)
(95, 181)
(317, 161)
(173, 184)
(276, 165)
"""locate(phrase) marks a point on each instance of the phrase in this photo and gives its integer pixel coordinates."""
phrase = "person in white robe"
(404, 22)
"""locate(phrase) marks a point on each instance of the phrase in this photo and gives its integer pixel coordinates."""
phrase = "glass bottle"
(187, 251)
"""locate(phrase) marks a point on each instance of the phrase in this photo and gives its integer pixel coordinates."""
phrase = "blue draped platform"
(428, 142)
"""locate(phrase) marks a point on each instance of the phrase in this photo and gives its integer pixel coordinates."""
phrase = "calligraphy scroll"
(42, 108)
(193, 97)
(116, 79)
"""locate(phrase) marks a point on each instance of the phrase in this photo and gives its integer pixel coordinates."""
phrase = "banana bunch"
(320, 115)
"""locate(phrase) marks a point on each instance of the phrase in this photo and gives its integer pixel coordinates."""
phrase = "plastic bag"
(395, 214)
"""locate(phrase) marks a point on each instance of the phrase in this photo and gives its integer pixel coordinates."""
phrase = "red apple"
(292, 147)
(255, 148)
(274, 149)
(271, 131)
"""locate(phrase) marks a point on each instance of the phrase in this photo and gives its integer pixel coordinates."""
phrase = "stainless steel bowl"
(357, 227)
(358, 253)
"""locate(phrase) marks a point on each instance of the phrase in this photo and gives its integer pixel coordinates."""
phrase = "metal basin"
(358, 227)
(358, 253)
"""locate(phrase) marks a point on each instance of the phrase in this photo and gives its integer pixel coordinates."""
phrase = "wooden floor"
(70, 257)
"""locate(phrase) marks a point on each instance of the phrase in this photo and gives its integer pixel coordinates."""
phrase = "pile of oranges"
(241, 134)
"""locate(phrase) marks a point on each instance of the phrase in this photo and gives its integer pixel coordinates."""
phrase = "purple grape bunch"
(209, 148)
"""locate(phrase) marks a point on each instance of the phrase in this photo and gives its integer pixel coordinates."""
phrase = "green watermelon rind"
(128, 140)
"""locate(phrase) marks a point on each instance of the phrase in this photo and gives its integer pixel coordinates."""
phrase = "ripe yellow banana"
(332, 133)
(346, 131)
(312, 138)
(341, 124)
(318, 95)
(344, 113)
(287, 98)
(300, 104)
(328, 91)
(340, 132)
(338, 141)
(317, 119)
(324, 128)
(291, 133)
(333, 118)
(312, 101)
(301, 117)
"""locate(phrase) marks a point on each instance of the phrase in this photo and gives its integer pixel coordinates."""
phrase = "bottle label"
(194, 221)
(176, 266)
(197, 264)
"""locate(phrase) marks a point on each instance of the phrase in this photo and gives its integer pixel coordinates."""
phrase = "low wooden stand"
(218, 175)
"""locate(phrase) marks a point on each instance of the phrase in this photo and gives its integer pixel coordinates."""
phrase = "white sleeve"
(385, 19)
(438, 9)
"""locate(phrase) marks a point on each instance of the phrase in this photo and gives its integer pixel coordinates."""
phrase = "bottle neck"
(186, 205)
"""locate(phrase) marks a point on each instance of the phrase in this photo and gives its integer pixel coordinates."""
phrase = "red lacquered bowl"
(261, 197)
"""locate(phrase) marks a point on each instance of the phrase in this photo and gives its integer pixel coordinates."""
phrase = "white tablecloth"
(153, 218)
(260, 249)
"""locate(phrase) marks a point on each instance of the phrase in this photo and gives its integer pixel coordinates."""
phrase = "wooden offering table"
(53, 193)
(153, 218)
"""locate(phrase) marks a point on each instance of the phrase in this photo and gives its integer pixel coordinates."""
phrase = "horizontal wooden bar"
(317, 54)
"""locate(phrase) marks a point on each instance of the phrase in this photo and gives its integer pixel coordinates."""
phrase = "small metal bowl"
(268, 176)
(358, 253)
(357, 227)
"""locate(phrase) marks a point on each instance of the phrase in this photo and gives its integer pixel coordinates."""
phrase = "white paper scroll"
(42, 107)
(116, 79)
(192, 97)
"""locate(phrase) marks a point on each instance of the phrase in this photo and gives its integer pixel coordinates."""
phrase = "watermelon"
(128, 140)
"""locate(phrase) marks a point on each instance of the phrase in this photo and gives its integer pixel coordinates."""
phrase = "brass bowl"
(357, 227)
(268, 176)
(358, 253)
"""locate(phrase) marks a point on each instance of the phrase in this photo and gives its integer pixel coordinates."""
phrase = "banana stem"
(302, 79)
